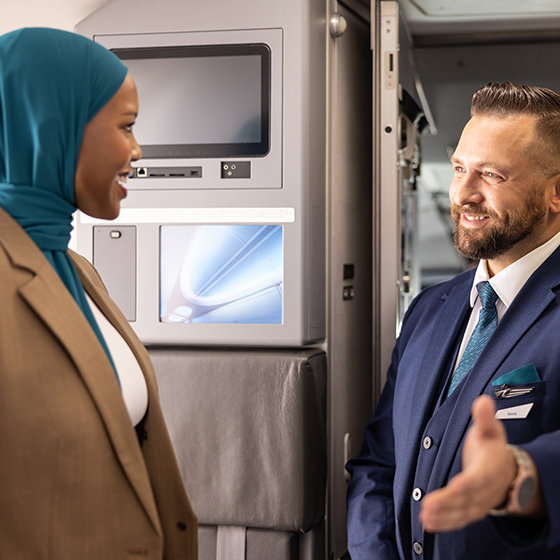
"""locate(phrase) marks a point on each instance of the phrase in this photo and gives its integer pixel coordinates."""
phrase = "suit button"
(427, 442)
(417, 494)
(417, 547)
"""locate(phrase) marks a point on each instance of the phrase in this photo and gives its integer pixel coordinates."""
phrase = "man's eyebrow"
(481, 163)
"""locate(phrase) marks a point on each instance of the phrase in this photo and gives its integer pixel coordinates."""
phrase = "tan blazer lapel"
(48, 297)
(93, 285)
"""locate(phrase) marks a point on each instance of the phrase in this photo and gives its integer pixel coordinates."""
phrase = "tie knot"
(487, 294)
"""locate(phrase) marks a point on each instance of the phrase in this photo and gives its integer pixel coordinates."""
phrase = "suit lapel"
(45, 293)
(526, 308)
(448, 323)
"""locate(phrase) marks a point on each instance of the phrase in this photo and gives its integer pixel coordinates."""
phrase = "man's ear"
(555, 200)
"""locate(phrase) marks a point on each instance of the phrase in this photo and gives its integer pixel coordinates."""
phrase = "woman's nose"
(136, 150)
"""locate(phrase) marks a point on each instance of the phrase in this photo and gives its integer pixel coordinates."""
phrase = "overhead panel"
(474, 8)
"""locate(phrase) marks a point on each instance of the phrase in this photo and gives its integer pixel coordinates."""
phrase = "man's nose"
(465, 189)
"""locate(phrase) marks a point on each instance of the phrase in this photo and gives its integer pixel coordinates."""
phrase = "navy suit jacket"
(414, 442)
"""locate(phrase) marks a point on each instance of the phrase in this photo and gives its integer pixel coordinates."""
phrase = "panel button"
(417, 494)
(427, 443)
(236, 169)
(417, 547)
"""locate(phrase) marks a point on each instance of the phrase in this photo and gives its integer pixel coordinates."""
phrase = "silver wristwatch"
(524, 485)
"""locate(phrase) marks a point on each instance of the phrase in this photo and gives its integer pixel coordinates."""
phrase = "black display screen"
(201, 101)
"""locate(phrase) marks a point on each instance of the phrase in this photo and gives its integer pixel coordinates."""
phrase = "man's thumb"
(483, 412)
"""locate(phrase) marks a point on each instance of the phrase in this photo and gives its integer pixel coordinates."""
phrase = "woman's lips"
(122, 182)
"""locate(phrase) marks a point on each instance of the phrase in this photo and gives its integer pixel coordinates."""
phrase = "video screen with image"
(221, 274)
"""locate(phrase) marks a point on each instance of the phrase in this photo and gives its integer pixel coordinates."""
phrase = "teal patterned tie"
(487, 322)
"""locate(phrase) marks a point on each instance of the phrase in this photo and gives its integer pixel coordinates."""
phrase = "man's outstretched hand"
(489, 469)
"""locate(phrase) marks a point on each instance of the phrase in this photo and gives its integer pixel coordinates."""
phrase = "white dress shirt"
(133, 385)
(506, 284)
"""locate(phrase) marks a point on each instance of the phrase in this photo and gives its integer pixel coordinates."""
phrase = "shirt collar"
(511, 279)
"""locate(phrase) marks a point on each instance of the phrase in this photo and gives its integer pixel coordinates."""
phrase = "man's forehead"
(492, 131)
(518, 122)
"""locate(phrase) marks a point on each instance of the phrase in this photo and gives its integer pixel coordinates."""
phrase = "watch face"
(526, 492)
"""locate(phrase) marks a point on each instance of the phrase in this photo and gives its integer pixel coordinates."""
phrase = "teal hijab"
(52, 83)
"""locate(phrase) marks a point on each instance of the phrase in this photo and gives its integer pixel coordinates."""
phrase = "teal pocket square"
(525, 374)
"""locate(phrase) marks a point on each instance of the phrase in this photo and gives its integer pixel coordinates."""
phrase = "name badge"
(514, 412)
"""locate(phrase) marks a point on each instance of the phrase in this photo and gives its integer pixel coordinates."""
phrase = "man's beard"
(505, 232)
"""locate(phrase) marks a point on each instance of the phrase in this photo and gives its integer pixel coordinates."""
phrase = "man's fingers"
(459, 503)
(488, 469)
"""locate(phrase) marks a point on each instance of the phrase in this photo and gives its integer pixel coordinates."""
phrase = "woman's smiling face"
(108, 148)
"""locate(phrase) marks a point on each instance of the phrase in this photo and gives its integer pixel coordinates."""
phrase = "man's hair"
(507, 99)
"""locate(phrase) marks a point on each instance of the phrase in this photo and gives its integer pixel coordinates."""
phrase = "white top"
(133, 385)
(506, 284)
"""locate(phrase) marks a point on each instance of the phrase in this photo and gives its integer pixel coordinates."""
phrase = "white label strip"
(197, 216)
(231, 542)
(521, 411)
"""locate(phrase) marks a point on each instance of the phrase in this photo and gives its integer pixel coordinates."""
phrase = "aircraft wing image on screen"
(221, 274)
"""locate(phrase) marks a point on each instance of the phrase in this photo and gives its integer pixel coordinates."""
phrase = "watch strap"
(524, 485)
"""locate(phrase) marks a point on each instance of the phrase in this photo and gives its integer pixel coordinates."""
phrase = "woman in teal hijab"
(76, 479)
(45, 109)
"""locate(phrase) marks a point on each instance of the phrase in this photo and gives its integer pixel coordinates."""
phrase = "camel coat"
(75, 481)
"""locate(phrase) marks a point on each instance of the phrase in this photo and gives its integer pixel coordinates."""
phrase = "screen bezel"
(245, 149)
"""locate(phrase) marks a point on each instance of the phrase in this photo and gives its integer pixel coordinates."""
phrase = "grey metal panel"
(396, 163)
(388, 211)
(267, 544)
(312, 545)
(350, 210)
(266, 170)
(303, 24)
(248, 428)
(272, 545)
(207, 542)
(114, 256)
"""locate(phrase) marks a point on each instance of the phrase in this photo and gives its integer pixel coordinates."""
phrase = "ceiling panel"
(61, 14)
(432, 17)
(470, 8)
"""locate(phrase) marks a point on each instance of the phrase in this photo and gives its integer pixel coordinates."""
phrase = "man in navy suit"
(461, 460)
